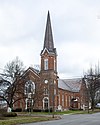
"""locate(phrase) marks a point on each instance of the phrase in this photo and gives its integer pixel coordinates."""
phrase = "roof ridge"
(67, 84)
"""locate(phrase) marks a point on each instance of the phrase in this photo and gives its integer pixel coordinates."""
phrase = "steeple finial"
(48, 39)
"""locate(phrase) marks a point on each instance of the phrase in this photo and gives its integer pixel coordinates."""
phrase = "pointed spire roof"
(48, 39)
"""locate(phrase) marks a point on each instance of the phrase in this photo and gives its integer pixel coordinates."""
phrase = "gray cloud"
(76, 29)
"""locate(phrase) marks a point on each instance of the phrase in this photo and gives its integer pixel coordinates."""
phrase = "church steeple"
(48, 54)
(48, 39)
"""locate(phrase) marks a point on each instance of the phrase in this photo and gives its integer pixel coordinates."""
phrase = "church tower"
(48, 54)
(48, 71)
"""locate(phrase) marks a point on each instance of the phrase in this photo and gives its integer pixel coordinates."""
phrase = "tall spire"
(48, 39)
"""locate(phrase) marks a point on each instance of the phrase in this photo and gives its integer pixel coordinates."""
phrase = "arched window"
(45, 64)
(30, 87)
(45, 103)
(45, 91)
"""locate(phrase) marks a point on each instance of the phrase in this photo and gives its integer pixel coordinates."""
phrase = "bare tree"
(92, 79)
(9, 82)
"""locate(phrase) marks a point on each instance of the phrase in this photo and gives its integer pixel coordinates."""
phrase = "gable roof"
(33, 70)
(72, 85)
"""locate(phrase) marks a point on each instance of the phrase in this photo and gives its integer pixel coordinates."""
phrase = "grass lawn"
(59, 113)
(78, 112)
(23, 119)
(56, 113)
(64, 112)
(70, 112)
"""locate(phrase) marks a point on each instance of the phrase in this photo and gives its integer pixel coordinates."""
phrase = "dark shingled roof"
(36, 70)
(48, 39)
(72, 85)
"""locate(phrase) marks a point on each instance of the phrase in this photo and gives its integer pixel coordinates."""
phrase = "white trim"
(66, 100)
(46, 64)
(29, 84)
(29, 69)
(54, 64)
(59, 99)
(45, 49)
(43, 102)
(62, 99)
(26, 100)
(26, 103)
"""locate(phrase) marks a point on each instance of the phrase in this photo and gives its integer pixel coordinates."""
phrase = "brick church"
(44, 89)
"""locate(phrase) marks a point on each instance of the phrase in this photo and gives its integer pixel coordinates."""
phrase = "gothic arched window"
(45, 64)
(45, 103)
(30, 87)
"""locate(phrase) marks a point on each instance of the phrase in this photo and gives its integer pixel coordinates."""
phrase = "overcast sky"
(76, 32)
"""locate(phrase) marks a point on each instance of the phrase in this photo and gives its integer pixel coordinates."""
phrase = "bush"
(36, 110)
(17, 110)
(2, 110)
(9, 114)
(47, 110)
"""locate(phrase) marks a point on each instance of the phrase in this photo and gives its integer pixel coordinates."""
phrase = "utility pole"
(53, 100)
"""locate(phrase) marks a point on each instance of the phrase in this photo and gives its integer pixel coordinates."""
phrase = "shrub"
(2, 110)
(36, 110)
(9, 114)
(17, 110)
(48, 110)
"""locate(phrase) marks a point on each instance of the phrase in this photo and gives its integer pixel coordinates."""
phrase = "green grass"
(27, 118)
(23, 119)
(78, 112)
(57, 113)
(69, 112)
(62, 113)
